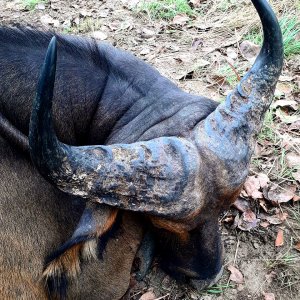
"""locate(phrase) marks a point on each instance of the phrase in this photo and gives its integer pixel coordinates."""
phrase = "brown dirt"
(171, 48)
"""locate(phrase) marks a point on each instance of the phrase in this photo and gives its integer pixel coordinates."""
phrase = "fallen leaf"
(297, 246)
(279, 239)
(286, 118)
(286, 78)
(231, 53)
(40, 6)
(252, 186)
(282, 89)
(296, 198)
(241, 204)
(249, 50)
(180, 19)
(295, 126)
(264, 224)
(236, 275)
(46, 19)
(99, 35)
(196, 43)
(196, 3)
(279, 218)
(248, 221)
(262, 204)
(148, 296)
(293, 160)
(270, 276)
(200, 63)
(147, 33)
(145, 51)
(286, 103)
(263, 180)
(282, 195)
(269, 296)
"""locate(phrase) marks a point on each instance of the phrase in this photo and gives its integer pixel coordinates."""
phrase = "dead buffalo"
(175, 159)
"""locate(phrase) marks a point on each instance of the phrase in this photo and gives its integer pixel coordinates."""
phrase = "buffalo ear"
(98, 222)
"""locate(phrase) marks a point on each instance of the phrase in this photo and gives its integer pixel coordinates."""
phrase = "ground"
(204, 47)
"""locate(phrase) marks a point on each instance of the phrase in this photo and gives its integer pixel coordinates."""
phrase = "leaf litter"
(207, 43)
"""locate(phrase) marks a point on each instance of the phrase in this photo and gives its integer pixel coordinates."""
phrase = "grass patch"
(166, 9)
(218, 289)
(267, 132)
(86, 25)
(285, 260)
(227, 72)
(31, 4)
(290, 27)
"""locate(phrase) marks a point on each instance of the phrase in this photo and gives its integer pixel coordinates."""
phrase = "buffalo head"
(180, 183)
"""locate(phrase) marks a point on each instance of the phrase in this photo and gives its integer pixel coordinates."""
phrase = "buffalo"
(129, 145)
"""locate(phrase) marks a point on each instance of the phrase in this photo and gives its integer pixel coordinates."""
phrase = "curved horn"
(166, 176)
(155, 176)
(228, 133)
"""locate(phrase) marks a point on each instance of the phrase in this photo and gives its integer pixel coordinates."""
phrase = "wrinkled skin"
(93, 121)
(126, 101)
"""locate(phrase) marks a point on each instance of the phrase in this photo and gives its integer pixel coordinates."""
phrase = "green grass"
(218, 289)
(285, 260)
(267, 132)
(31, 4)
(290, 28)
(166, 9)
(230, 76)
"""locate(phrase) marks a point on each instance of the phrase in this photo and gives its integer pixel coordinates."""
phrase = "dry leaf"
(293, 160)
(148, 296)
(145, 51)
(248, 221)
(196, 43)
(236, 275)
(286, 78)
(249, 50)
(279, 218)
(40, 6)
(99, 35)
(264, 224)
(281, 195)
(195, 3)
(297, 246)
(200, 63)
(262, 204)
(286, 118)
(180, 19)
(270, 276)
(231, 53)
(283, 89)
(147, 33)
(269, 296)
(263, 180)
(279, 239)
(46, 19)
(252, 186)
(296, 198)
(241, 204)
(286, 103)
(296, 175)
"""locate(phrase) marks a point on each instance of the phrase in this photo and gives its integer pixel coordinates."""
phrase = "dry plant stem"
(289, 225)
(236, 252)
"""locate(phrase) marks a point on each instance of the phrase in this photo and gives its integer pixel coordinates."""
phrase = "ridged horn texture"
(155, 176)
(227, 134)
(168, 176)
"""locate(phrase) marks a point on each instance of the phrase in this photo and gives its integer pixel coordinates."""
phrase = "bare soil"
(192, 54)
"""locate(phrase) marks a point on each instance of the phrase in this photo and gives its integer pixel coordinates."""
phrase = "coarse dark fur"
(102, 95)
